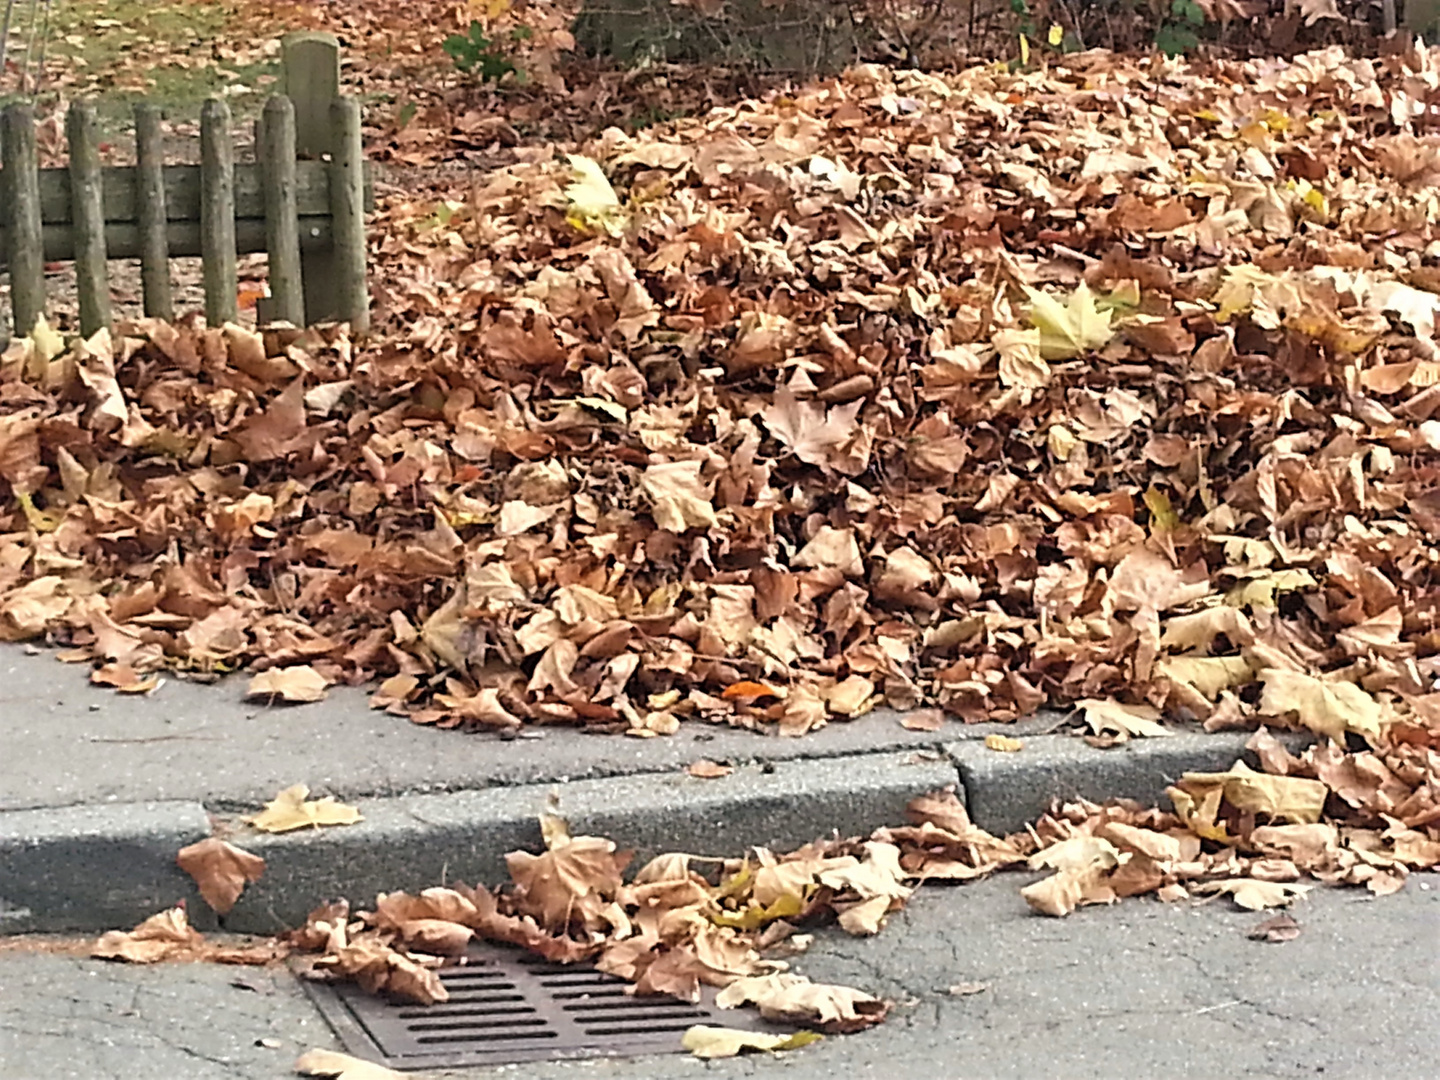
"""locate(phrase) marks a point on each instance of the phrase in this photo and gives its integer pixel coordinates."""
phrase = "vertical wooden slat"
(217, 214)
(22, 216)
(276, 144)
(310, 78)
(347, 213)
(87, 217)
(153, 214)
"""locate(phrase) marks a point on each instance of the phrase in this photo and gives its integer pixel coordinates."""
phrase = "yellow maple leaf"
(1069, 329)
(291, 809)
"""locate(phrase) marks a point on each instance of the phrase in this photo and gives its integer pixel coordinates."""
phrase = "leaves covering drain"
(509, 1006)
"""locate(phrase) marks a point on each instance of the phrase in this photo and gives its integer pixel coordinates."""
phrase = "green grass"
(175, 53)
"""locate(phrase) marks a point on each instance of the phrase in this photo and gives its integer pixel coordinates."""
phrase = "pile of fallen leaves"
(683, 921)
(1111, 383)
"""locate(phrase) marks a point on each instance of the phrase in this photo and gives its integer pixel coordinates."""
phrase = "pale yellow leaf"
(291, 810)
(1070, 329)
(705, 1041)
(299, 683)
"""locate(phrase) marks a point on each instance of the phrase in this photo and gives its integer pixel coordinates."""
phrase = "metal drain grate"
(509, 1006)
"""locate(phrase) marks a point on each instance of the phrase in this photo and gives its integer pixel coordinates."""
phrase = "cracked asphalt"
(1137, 990)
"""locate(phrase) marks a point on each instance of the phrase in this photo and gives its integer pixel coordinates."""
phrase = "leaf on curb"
(705, 1041)
(922, 720)
(1003, 744)
(705, 769)
(293, 809)
(1122, 720)
(1326, 707)
(220, 870)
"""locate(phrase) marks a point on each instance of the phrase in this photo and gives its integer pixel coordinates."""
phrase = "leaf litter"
(680, 922)
(893, 390)
(889, 392)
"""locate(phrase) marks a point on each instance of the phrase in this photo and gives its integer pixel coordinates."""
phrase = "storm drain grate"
(509, 1006)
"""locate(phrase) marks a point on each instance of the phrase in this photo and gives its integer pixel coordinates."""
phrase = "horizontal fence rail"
(303, 205)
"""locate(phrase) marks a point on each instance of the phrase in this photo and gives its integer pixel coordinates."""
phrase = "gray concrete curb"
(93, 868)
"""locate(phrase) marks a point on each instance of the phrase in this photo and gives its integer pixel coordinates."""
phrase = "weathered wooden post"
(310, 78)
(152, 213)
(26, 242)
(347, 215)
(87, 217)
(275, 141)
(217, 214)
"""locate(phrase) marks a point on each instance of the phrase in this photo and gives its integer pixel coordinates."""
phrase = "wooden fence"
(302, 202)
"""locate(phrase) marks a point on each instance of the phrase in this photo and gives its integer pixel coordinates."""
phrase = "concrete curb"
(93, 868)
(1004, 791)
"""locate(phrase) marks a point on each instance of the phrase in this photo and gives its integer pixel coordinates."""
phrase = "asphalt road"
(1137, 990)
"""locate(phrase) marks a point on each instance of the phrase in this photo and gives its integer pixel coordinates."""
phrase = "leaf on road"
(1251, 894)
(705, 1041)
(301, 683)
(795, 999)
(338, 1066)
(162, 935)
(294, 809)
(220, 870)
(1277, 929)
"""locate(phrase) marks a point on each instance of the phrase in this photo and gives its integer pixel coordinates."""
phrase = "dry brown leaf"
(1251, 894)
(220, 870)
(795, 999)
(1122, 720)
(301, 683)
(332, 1063)
(922, 720)
(164, 934)
(705, 769)
(1277, 929)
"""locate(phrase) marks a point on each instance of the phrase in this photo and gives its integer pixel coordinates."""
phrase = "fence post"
(217, 214)
(275, 140)
(347, 215)
(22, 195)
(153, 214)
(87, 217)
(310, 65)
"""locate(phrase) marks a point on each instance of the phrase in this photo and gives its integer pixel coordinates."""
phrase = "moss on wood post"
(347, 212)
(87, 217)
(152, 213)
(276, 140)
(217, 214)
(21, 191)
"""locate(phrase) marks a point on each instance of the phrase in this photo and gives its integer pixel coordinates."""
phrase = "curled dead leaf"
(220, 870)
